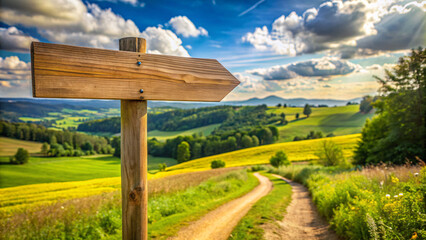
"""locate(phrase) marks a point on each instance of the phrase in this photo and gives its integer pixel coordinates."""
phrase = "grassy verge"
(269, 209)
(99, 217)
(374, 203)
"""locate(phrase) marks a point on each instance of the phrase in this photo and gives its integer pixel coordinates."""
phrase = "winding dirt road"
(219, 223)
(301, 220)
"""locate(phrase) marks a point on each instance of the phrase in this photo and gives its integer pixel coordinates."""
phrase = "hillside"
(9, 146)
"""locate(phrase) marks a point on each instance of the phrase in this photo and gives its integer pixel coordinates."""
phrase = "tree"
(297, 115)
(246, 141)
(283, 120)
(366, 104)
(44, 148)
(401, 115)
(307, 110)
(162, 167)
(22, 156)
(280, 159)
(183, 153)
(53, 140)
(285, 105)
(279, 105)
(255, 140)
(217, 164)
(116, 144)
(331, 154)
(196, 151)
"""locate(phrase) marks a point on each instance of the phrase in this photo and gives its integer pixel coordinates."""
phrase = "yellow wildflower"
(414, 236)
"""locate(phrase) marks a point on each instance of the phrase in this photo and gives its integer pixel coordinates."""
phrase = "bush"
(280, 159)
(217, 164)
(22, 156)
(162, 167)
(331, 155)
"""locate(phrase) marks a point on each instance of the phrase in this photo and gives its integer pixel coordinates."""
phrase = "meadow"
(99, 217)
(381, 202)
(337, 120)
(9, 146)
(64, 169)
(164, 135)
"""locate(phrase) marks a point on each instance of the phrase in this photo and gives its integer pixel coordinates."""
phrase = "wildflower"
(395, 196)
(381, 183)
(394, 179)
(415, 175)
(62, 207)
(387, 195)
(414, 236)
(400, 194)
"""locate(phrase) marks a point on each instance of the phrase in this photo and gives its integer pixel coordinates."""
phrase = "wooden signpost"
(133, 76)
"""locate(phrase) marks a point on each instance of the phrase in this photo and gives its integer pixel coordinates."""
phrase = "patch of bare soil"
(219, 223)
(301, 221)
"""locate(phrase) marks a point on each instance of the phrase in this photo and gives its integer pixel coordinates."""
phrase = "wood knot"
(135, 194)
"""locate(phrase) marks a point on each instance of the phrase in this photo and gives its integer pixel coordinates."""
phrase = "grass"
(296, 151)
(99, 217)
(164, 135)
(64, 169)
(337, 120)
(9, 146)
(267, 210)
(384, 202)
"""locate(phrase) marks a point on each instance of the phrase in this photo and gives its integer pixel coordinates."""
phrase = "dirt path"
(301, 220)
(219, 223)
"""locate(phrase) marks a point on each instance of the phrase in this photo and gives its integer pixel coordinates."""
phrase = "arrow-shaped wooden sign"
(131, 75)
(61, 71)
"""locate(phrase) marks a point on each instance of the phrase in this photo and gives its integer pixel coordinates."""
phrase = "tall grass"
(384, 202)
(99, 217)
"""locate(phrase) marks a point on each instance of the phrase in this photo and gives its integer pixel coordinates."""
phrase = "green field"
(64, 169)
(337, 120)
(9, 146)
(164, 135)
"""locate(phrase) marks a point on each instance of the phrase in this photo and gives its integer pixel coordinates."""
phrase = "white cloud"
(163, 41)
(183, 26)
(344, 24)
(13, 39)
(72, 22)
(14, 73)
(322, 68)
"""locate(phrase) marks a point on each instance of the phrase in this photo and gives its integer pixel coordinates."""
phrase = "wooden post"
(134, 157)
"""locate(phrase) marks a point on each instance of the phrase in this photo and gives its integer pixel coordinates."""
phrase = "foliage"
(183, 153)
(162, 167)
(217, 143)
(307, 110)
(311, 135)
(22, 156)
(387, 203)
(366, 104)
(398, 133)
(44, 148)
(331, 154)
(217, 164)
(116, 144)
(267, 210)
(57, 139)
(279, 159)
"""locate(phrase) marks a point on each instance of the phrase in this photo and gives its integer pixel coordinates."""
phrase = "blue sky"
(311, 49)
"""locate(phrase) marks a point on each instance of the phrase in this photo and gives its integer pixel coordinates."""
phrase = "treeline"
(184, 148)
(60, 143)
(312, 135)
(230, 117)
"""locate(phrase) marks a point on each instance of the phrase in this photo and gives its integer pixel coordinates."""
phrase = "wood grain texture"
(134, 160)
(61, 71)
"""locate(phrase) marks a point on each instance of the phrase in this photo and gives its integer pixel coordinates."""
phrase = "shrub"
(280, 159)
(217, 164)
(22, 156)
(162, 167)
(331, 155)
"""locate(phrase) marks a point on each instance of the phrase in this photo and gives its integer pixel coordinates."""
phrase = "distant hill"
(38, 107)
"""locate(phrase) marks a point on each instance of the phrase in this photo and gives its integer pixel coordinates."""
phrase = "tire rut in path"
(301, 221)
(219, 223)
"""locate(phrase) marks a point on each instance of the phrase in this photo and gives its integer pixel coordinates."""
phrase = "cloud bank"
(374, 25)
(13, 39)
